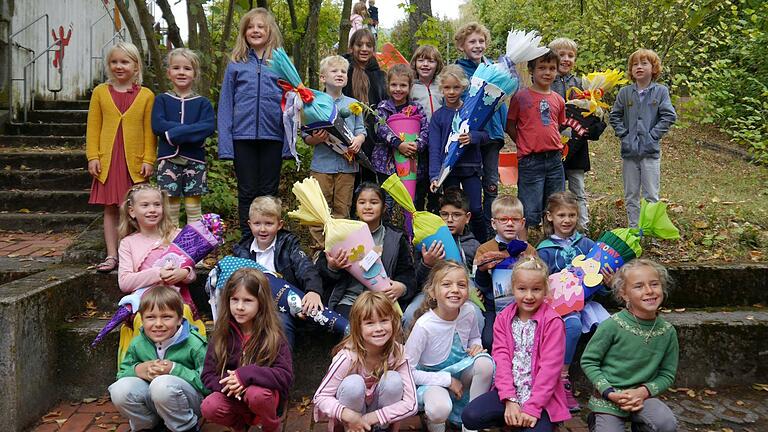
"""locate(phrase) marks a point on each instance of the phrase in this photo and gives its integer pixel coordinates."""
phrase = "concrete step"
(55, 159)
(61, 105)
(55, 179)
(31, 141)
(43, 222)
(48, 129)
(58, 116)
(39, 201)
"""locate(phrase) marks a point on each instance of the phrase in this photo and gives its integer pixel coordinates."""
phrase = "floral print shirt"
(523, 332)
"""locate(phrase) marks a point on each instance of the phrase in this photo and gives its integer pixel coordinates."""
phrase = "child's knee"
(127, 390)
(437, 404)
(261, 400)
(391, 381)
(482, 367)
(351, 387)
(214, 406)
(165, 389)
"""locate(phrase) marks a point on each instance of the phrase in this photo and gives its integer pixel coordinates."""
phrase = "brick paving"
(33, 245)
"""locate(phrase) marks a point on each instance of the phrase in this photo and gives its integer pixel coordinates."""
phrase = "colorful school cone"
(596, 85)
(407, 127)
(342, 234)
(193, 243)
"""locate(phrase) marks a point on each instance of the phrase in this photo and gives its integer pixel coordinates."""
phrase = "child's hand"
(395, 290)
(408, 148)
(622, 400)
(311, 302)
(233, 387)
(456, 387)
(479, 295)
(94, 168)
(142, 370)
(475, 350)
(147, 169)
(354, 421)
(434, 253)
(635, 398)
(338, 261)
(159, 367)
(433, 187)
(527, 420)
(464, 139)
(357, 143)
(174, 276)
(512, 413)
(607, 276)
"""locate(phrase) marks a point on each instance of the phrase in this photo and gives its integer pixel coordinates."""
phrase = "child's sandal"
(108, 265)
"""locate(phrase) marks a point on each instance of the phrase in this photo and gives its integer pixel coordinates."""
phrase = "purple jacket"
(383, 159)
(278, 376)
(548, 353)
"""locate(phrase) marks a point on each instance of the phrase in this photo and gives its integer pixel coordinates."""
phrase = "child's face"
(642, 70)
(160, 324)
(508, 226)
(564, 219)
(456, 218)
(474, 47)
(122, 67)
(567, 61)
(369, 207)
(147, 209)
(264, 229)
(452, 291)
(544, 73)
(399, 89)
(257, 33)
(426, 67)
(452, 90)
(243, 306)
(530, 289)
(334, 76)
(643, 292)
(376, 331)
(362, 50)
(181, 72)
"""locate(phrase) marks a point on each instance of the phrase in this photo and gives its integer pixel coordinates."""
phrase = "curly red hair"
(645, 54)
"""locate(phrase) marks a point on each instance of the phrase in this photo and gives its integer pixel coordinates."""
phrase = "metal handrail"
(31, 63)
(121, 32)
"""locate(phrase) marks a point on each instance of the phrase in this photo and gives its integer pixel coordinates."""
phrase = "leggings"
(487, 411)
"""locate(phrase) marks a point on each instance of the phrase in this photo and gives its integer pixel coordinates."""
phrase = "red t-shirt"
(537, 117)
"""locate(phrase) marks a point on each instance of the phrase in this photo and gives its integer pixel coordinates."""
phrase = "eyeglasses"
(454, 216)
(508, 219)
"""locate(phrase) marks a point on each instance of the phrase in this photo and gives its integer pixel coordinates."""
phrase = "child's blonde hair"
(367, 305)
(188, 54)
(507, 204)
(453, 71)
(467, 29)
(331, 61)
(266, 205)
(652, 58)
(564, 44)
(438, 272)
(620, 277)
(400, 70)
(128, 225)
(360, 9)
(133, 53)
(162, 297)
(274, 38)
(428, 52)
(534, 264)
(555, 202)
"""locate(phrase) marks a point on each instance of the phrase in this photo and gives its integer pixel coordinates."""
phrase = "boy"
(279, 252)
(471, 39)
(335, 174)
(641, 115)
(158, 381)
(535, 116)
(509, 224)
(576, 161)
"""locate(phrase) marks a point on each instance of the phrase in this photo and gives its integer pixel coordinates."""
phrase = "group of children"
(170, 376)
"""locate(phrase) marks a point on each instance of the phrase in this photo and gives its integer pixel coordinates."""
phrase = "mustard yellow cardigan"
(103, 121)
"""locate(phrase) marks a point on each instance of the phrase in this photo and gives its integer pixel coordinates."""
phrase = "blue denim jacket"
(327, 161)
(249, 105)
(641, 124)
(562, 84)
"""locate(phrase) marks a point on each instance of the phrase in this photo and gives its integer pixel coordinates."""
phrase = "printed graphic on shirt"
(544, 111)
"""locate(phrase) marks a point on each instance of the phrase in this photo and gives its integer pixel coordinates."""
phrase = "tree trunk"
(130, 24)
(174, 35)
(310, 43)
(345, 26)
(262, 4)
(206, 45)
(224, 59)
(192, 39)
(296, 48)
(147, 23)
(422, 11)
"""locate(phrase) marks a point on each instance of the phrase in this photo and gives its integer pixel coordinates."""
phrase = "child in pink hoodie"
(528, 348)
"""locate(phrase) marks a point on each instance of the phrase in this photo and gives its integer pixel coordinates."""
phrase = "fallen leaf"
(678, 310)
(691, 393)
(755, 255)
(740, 403)
(89, 400)
(619, 203)
(24, 210)
(51, 416)
(715, 199)
(750, 317)
(13, 255)
(666, 310)
(700, 224)
(727, 430)
(760, 387)
(710, 392)
(61, 422)
(51, 279)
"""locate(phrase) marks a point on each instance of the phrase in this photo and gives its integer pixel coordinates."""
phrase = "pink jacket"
(133, 273)
(345, 364)
(548, 353)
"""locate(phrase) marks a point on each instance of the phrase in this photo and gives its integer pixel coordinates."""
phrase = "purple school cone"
(122, 315)
(407, 128)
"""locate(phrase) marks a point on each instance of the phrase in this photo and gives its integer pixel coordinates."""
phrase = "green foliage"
(433, 31)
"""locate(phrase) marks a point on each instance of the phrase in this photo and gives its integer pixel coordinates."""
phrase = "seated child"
(369, 382)
(279, 251)
(632, 358)
(158, 381)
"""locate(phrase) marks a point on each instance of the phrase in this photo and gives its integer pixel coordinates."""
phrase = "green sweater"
(187, 354)
(619, 357)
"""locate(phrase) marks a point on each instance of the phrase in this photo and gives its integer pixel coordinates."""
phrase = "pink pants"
(259, 406)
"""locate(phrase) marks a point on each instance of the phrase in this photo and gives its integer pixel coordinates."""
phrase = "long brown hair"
(128, 225)
(274, 40)
(360, 82)
(438, 272)
(264, 344)
(554, 203)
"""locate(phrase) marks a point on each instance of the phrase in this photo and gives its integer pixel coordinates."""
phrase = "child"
(535, 116)
(279, 251)
(359, 18)
(248, 364)
(444, 348)
(250, 119)
(528, 352)
(335, 174)
(563, 244)
(641, 115)
(395, 257)
(632, 358)
(369, 381)
(120, 146)
(472, 39)
(565, 80)
(183, 120)
(158, 381)
(468, 168)
(373, 12)
(508, 222)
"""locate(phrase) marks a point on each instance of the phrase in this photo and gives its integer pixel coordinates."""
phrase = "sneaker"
(570, 400)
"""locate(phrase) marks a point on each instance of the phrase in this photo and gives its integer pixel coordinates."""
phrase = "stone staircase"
(44, 183)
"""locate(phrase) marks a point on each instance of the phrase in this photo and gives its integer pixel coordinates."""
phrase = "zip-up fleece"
(182, 125)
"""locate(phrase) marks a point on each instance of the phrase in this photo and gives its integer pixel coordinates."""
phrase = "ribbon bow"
(304, 93)
(593, 98)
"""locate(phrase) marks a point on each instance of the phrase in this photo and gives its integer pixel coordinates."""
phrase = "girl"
(528, 351)
(367, 83)
(632, 357)
(183, 120)
(395, 256)
(250, 119)
(359, 18)
(248, 365)
(120, 146)
(369, 381)
(444, 348)
(563, 244)
(468, 168)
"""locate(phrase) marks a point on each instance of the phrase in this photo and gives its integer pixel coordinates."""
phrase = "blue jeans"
(572, 335)
(487, 411)
(539, 176)
(490, 154)
(473, 189)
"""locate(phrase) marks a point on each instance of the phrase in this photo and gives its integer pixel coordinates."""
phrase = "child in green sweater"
(632, 357)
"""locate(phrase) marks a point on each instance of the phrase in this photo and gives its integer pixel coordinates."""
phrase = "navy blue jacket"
(182, 125)
(557, 257)
(469, 163)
